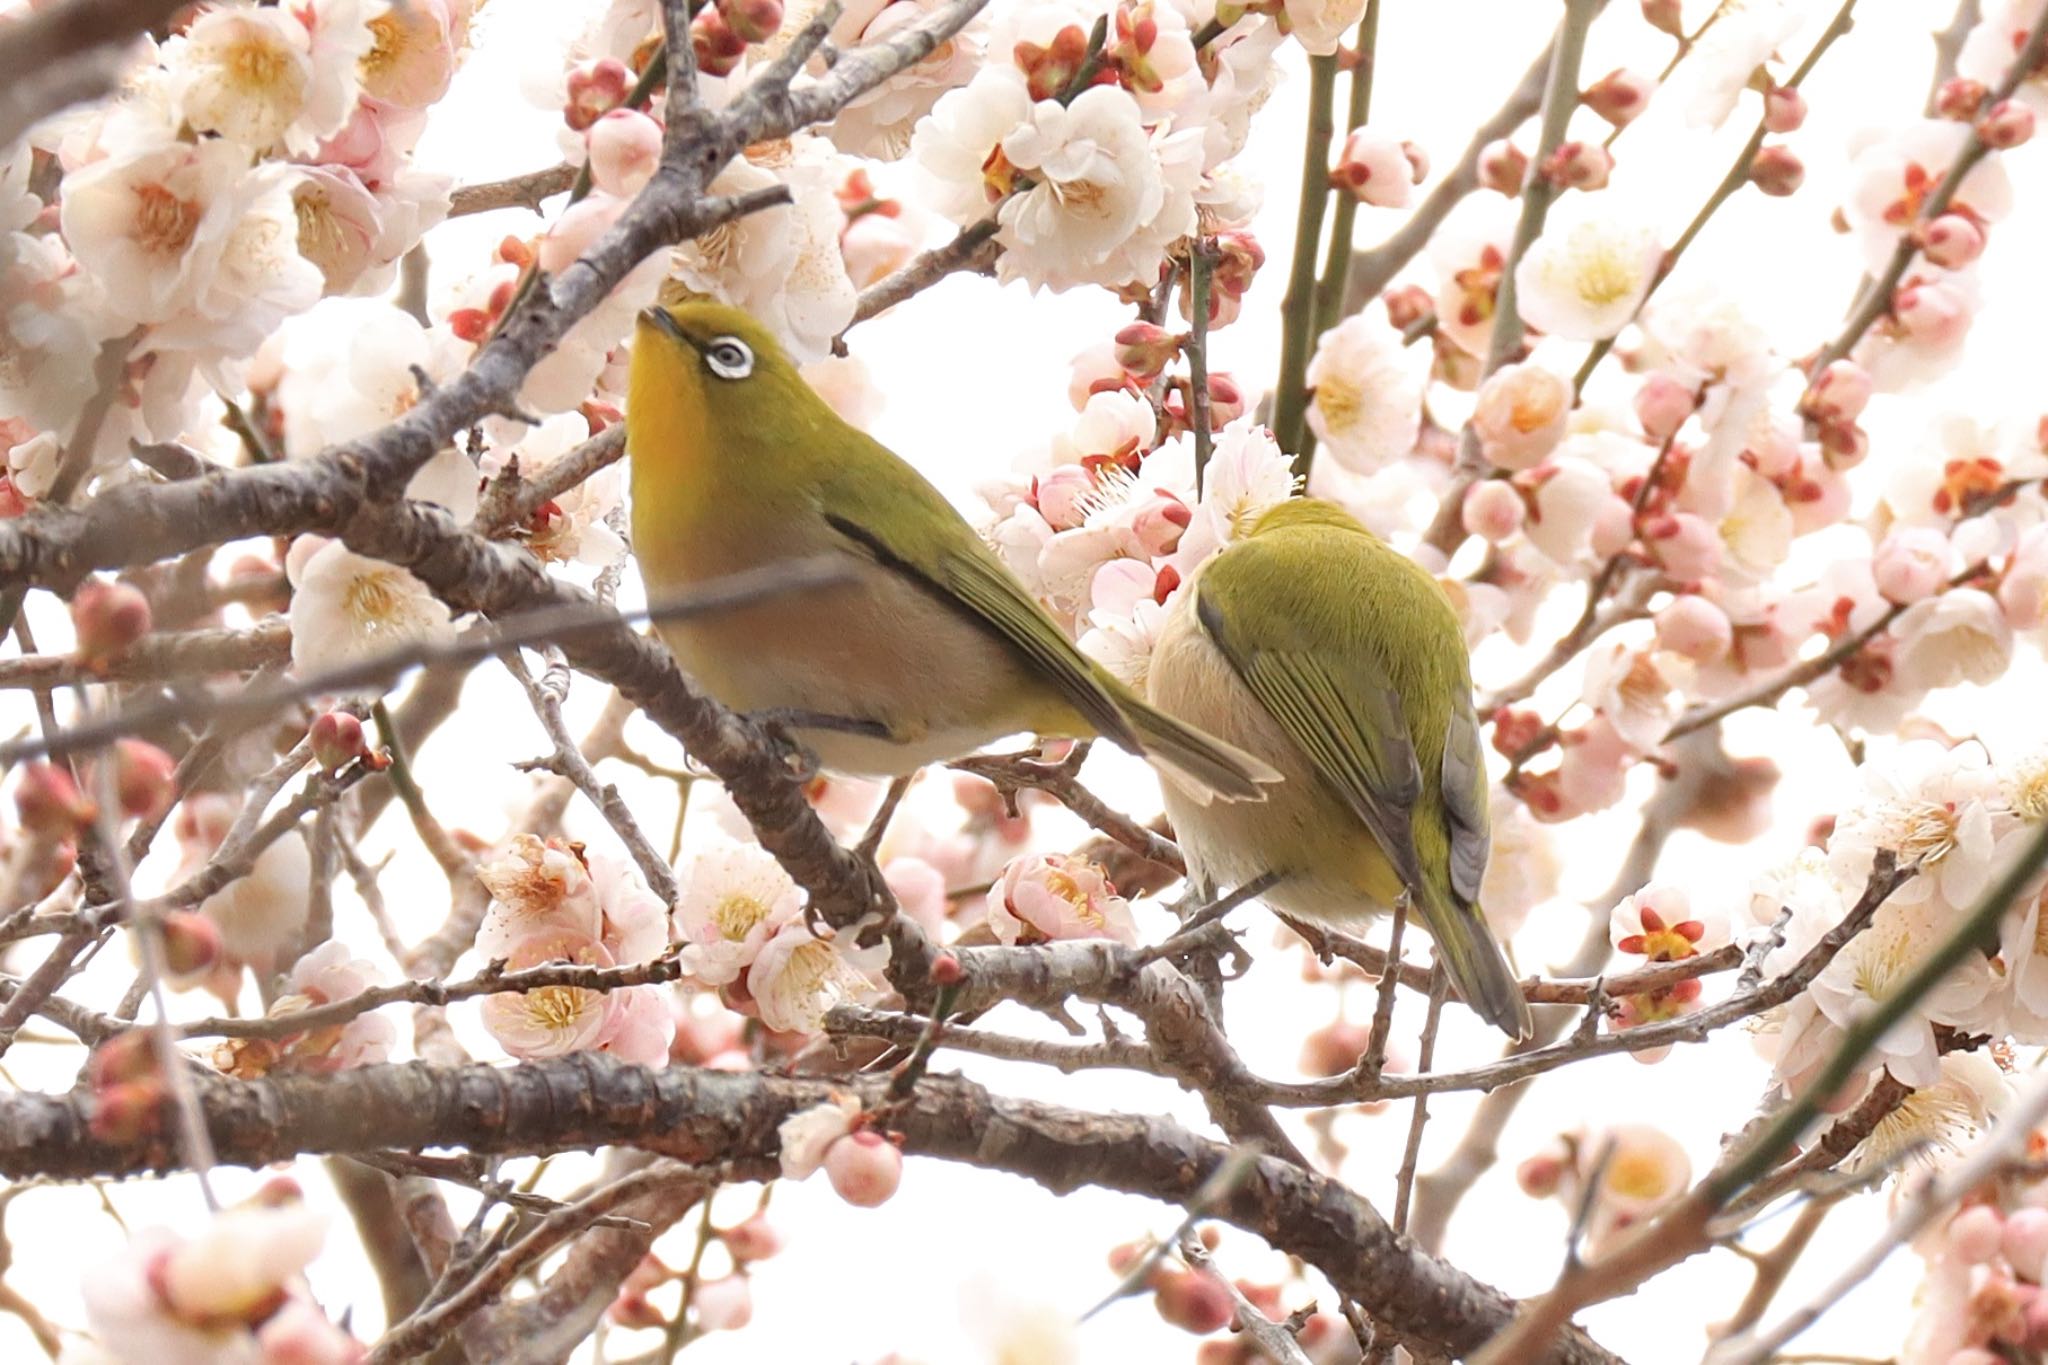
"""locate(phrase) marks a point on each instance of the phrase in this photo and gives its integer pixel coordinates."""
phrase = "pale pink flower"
(880, 123)
(1932, 806)
(1637, 691)
(2023, 591)
(920, 891)
(807, 1134)
(953, 145)
(554, 1020)
(1054, 896)
(1891, 177)
(348, 607)
(1694, 627)
(1688, 547)
(536, 885)
(1870, 968)
(1379, 169)
(1521, 414)
(1248, 476)
(1367, 405)
(1469, 253)
(1960, 636)
(1570, 494)
(735, 896)
(797, 977)
(414, 49)
(1723, 62)
(624, 147)
(1113, 425)
(1592, 770)
(865, 1168)
(245, 75)
(642, 1026)
(1523, 870)
(1122, 641)
(238, 1263)
(876, 246)
(725, 1304)
(339, 227)
(1492, 510)
(1911, 562)
(1645, 1170)
(300, 1334)
(635, 921)
(1321, 25)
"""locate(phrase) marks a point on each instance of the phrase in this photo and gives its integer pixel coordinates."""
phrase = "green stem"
(1297, 310)
(1199, 266)
(1337, 257)
(1789, 1123)
(1737, 177)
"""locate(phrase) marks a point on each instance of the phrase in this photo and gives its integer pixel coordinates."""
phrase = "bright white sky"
(975, 375)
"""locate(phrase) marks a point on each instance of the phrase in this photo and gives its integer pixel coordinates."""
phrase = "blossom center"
(372, 600)
(164, 223)
(737, 916)
(1340, 401)
(1604, 277)
(558, 1007)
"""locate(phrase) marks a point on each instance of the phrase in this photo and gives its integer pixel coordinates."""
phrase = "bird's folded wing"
(1466, 795)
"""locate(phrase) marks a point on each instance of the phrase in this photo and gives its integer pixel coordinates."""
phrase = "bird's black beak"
(662, 320)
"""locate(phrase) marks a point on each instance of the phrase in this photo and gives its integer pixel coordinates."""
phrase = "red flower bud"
(1951, 241)
(192, 944)
(108, 618)
(144, 779)
(1049, 70)
(2007, 123)
(49, 803)
(1960, 99)
(1503, 167)
(756, 21)
(127, 1056)
(1665, 16)
(1145, 348)
(1579, 166)
(1194, 1301)
(1619, 95)
(594, 89)
(128, 1113)
(338, 740)
(1777, 171)
(1784, 110)
(718, 48)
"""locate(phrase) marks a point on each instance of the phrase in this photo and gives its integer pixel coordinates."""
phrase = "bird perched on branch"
(1316, 646)
(930, 651)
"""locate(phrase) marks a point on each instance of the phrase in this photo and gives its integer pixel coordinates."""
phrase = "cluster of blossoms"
(1981, 1299)
(1621, 1176)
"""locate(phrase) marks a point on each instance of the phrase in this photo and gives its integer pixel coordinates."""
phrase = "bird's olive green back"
(1356, 652)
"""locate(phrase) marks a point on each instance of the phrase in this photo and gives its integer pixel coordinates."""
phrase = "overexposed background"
(975, 376)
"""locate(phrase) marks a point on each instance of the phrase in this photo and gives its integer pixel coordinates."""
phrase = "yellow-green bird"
(1314, 645)
(930, 650)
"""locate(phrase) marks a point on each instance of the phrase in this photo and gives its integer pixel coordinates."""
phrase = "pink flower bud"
(1911, 563)
(1619, 95)
(1665, 16)
(756, 21)
(1334, 1048)
(595, 87)
(1238, 258)
(1845, 444)
(126, 1057)
(1226, 401)
(1838, 393)
(724, 1305)
(624, 148)
(1952, 241)
(1378, 169)
(1931, 312)
(1520, 415)
(1777, 170)
(2025, 1242)
(1784, 110)
(1662, 404)
(718, 48)
(1579, 166)
(1493, 510)
(1503, 167)
(1049, 70)
(757, 1239)
(338, 740)
(1408, 305)
(1693, 626)
(579, 227)
(876, 246)
(865, 1168)
(1687, 546)
(2007, 123)
(1157, 523)
(1062, 495)
(50, 805)
(1975, 1233)
(1614, 527)
(633, 1309)
(1542, 1175)
(192, 944)
(946, 968)
(1145, 348)
(128, 1112)
(1194, 1301)
(144, 779)
(108, 618)
(1959, 98)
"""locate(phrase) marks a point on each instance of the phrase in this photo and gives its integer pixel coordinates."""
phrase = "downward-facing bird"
(1314, 645)
(929, 651)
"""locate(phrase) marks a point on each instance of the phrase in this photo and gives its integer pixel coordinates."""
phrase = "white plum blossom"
(1940, 1121)
(264, 912)
(1897, 170)
(805, 1135)
(798, 977)
(572, 526)
(1720, 65)
(1367, 404)
(880, 122)
(955, 145)
(348, 607)
(735, 897)
(1584, 278)
(1961, 635)
(1248, 476)
(1871, 967)
(1321, 25)
(1935, 808)
(552, 1021)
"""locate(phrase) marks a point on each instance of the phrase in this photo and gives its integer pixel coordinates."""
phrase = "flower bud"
(1693, 626)
(594, 88)
(2007, 123)
(1931, 312)
(338, 740)
(1334, 1048)
(755, 21)
(1777, 171)
(1503, 167)
(1662, 404)
(1952, 241)
(718, 48)
(1845, 444)
(192, 945)
(724, 1305)
(1542, 1175)
(128, 1112)
(1521, 414)
(1619, 95)
(1960, 98)
(1377, 169)
(108, 617)
(624, 147)
(1839, 393)
(1194, 1301)
(1238, 258)
(1665, 16)
(864, 1168)
(124, 1058)
(1910, 563)
(2025, 1242)
(1784, 110)
(1688, 547)
(1144, 349)
(144, 779)
(1975, 1233)
(757, 1239)
(1492, 510)
(632, 1309)
(1579, 166)
(1408, 305)
(49, 803)
(1049, 70)
(1226, 401)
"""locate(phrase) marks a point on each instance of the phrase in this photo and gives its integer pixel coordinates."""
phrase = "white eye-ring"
(729, 358)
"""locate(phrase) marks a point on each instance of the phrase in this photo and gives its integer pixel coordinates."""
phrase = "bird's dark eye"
(729, 358)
